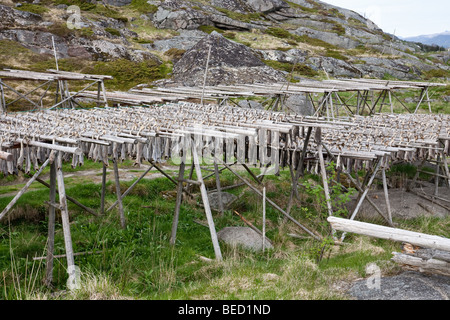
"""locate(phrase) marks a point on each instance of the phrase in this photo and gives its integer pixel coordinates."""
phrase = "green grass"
(143, 7)
(139, 263)
(34, 8)
(300, 69)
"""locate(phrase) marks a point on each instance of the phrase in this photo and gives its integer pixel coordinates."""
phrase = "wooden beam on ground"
(388, 233)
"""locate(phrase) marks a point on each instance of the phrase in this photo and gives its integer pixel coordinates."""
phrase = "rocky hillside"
(138, 41)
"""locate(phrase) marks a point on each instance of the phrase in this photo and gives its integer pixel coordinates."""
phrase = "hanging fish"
(21, 156)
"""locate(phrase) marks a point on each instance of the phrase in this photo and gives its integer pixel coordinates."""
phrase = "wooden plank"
(207, 208)
(51, 228)
(65, 219)
(394, 234)
(23, 190)
(118, 192)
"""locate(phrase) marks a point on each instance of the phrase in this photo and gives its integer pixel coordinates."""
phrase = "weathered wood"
(23, 190)
(130, 188)
(176, 216)
(323, 173)
(273, 204)
(205, 200)
(103, 192)
(386, 195)
(425, 253)
(65, 217)
(218, 188)
(394, 234)
(74, 201)
(264, 220)
(433, 266)
(51, 228)
(6, 156)
(118, 193)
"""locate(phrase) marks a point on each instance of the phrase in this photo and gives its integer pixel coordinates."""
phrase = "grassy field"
(139, 263)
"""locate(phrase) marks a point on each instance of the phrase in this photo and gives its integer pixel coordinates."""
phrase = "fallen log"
(395, 234)
(434, 266)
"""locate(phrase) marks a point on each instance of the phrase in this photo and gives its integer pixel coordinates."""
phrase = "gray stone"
(118, 3)
(250, 5)
(11, 17)
(406, 286)
(299, 104)
(290, 56)
(244, 237)
(185, 41)
(230, 63)
(227, 200)
(266, 5)
(334, 67)
(250, 104)
(329, 37)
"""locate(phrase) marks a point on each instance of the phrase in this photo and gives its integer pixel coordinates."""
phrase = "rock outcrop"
(230, 63)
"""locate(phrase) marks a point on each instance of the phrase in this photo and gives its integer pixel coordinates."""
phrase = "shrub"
(34, 8)
(279, 33)
(302, 69)
(209, 29)
(435, 73)
(113, 31)
(174, 53)
(143, 7)
(128, 74)
(336, 55)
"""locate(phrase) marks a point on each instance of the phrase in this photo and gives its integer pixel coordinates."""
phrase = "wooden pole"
(118, 193)
(445, 165)
(386, 195)
(176, 216)
(74, 201)
(130, 188)
(273, 204)
(366, 190)
(264, 220)
(51, 228)
(102, 200)
(436, 178)
(394, 234)
(2, 98)
(219, 189)
(65, 217)
(204, 194)
(325, 180)
(24, 189)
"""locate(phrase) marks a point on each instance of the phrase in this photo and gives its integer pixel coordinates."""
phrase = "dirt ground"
(405, 205)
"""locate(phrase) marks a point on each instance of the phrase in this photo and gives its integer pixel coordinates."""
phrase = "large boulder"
(244, 237)
(118, 3)
(266, 5)
(263, 6)
(334, 67)
(11, 17)
(299, 104)
(230, 63)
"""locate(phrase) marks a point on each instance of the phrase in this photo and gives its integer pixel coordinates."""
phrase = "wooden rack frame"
(227, 136)
(59, 79)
